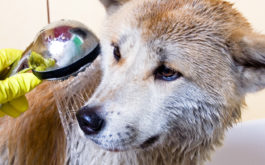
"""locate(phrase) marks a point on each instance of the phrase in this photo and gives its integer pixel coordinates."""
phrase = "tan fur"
(34, 137)
(210, 43)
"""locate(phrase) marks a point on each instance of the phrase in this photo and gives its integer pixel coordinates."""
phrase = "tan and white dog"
(171, 79)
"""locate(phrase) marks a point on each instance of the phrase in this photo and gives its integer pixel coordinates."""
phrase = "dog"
(171, 79)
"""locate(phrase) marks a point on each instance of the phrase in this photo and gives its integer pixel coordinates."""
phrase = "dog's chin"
(148, 143)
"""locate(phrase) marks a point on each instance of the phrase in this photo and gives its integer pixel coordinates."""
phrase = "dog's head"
(172, 67)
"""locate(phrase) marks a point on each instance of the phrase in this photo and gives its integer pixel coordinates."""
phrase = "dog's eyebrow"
(163, 58)
(162, 55)
(123, 39)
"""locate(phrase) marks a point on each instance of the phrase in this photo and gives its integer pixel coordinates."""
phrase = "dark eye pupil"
(167, 72)
(116, 52)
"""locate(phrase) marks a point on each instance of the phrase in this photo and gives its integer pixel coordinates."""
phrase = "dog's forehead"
(202, 27)
(181, 20)
(186, 20)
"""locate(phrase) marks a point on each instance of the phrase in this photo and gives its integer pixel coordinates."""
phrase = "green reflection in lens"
(38, 63)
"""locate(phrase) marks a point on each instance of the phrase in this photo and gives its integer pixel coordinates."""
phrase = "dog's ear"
(112, 5)
(249, 56)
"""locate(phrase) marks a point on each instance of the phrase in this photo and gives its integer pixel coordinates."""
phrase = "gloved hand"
(13, 89)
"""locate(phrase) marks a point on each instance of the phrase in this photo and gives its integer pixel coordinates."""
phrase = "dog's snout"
(89, 120)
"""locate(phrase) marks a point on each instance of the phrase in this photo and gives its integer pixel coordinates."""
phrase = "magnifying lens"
(59, 50)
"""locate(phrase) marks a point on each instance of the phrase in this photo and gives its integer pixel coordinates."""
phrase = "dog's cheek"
(191, 113)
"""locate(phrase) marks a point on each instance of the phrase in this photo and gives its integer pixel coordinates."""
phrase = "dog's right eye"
(166, 74)
(116, 52)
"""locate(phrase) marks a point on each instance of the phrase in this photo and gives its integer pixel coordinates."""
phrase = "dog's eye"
(116, 52)
(167, 74)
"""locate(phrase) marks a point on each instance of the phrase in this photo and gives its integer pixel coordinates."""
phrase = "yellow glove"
(12, 89)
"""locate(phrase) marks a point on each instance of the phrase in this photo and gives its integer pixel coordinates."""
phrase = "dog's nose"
(89, 121)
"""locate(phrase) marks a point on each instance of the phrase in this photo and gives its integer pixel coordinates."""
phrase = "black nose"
(89, 121)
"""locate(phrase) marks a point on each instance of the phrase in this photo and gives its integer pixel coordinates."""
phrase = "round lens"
(61, 44)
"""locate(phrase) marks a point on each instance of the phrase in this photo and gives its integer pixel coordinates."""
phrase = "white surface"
(244, 145)
(20, 21)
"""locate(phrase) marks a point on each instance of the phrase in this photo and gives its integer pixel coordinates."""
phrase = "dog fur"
(220, 59)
